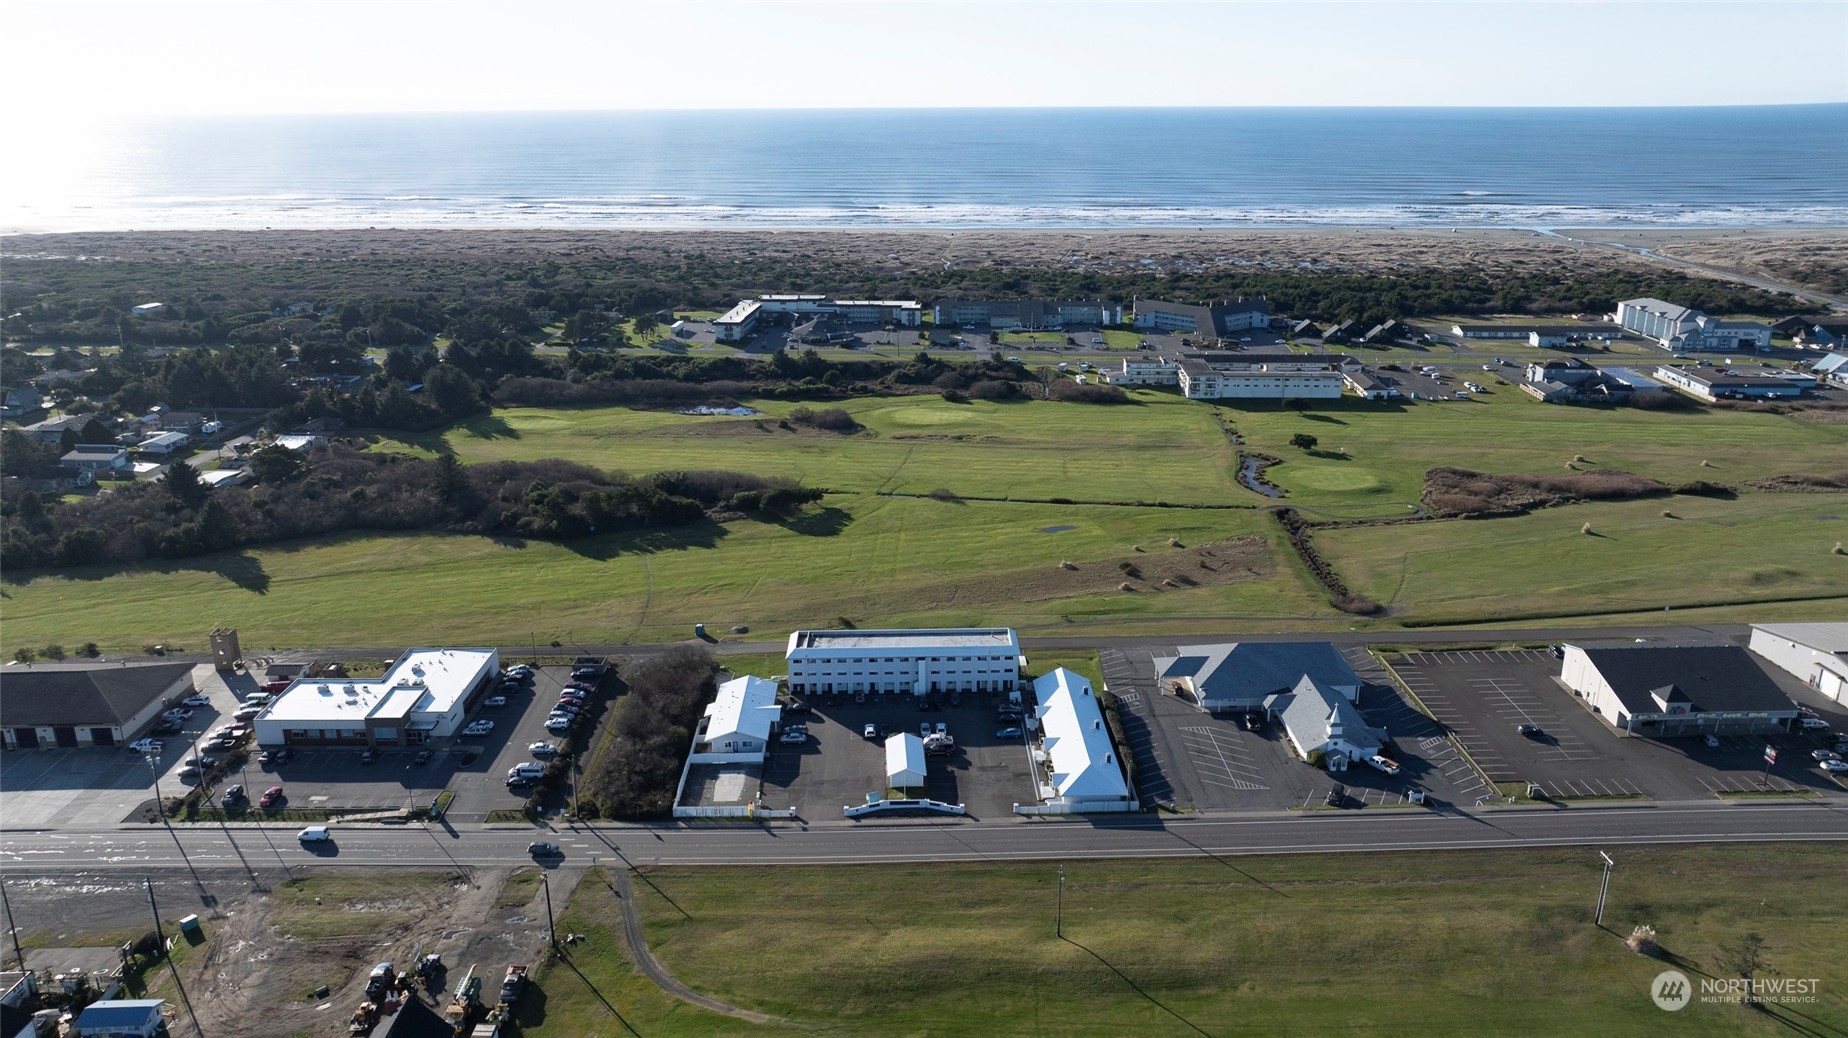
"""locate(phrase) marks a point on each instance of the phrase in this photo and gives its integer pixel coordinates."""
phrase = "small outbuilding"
(904, 761)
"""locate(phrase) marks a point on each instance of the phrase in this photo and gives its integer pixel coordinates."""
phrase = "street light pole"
(551, 931)
(1058, 924)
(160, 805)
(1604, 888)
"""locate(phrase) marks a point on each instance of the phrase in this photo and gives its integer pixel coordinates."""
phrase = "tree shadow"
(1331, 419)
(489, 427)
(824, 522)
(1137, 988)
(701, 533)
(243, 569)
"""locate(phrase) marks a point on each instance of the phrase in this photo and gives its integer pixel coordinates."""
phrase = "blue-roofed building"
(1242, 675)
(1322, 720)
(123, 1018)
(1630, 377)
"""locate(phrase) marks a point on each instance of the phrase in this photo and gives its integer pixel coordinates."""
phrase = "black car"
(234, 795)
(1336, 797)
(795, 706)
(1253, 722)
(1532, 731)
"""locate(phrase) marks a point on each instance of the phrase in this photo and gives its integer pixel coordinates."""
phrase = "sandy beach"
(1814, 256)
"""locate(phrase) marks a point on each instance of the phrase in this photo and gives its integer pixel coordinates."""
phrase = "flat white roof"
(1084, 763)
(429, 681)
(744, 706)
(919, 638)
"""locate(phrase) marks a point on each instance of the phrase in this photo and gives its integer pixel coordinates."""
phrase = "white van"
(258, 699)
(314, 834)
(525, 772)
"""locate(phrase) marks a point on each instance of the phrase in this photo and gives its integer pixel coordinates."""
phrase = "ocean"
(1054, 168)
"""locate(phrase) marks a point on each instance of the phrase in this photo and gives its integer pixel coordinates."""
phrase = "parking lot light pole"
(154, 773)
(1058, 919)
(1604, 888)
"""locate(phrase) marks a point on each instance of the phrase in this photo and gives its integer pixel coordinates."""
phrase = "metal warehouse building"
(1674, 690)
(962, 659)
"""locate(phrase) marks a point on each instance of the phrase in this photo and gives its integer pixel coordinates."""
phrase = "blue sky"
(200, 58)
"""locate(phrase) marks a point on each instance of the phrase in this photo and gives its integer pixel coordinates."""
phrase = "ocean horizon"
(955, 169)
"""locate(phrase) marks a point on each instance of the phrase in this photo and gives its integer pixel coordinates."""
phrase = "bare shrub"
(1642, 941)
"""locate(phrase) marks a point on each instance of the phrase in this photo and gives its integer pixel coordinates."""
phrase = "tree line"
(339, 488)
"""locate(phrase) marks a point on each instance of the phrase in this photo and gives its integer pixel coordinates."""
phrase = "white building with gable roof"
(739, 720)
(1083, 762)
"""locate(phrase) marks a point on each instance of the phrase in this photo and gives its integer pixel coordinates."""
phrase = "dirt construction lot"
(269, 947)
(1480, 696)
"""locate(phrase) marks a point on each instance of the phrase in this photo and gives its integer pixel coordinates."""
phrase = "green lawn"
(875, 560)
(1480, 943)
(1761, 547)
(1161, 449)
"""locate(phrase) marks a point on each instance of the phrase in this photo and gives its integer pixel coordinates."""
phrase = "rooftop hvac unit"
(326, 691)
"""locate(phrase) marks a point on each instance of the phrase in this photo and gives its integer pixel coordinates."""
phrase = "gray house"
(1243, 675)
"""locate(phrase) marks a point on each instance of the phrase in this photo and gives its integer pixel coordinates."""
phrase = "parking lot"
(837, 766)
(1480, 698)
(106, 785)
(1202, 762)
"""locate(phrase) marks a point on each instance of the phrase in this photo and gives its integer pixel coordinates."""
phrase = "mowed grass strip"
(1162, 448)
(1478, 942)
(1759, 548)
(878, 561)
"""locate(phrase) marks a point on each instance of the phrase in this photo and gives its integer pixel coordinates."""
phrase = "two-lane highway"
(258, 849)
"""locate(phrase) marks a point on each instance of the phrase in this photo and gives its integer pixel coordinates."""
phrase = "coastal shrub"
(1461, 492)
(1071, 392)
(833, 419)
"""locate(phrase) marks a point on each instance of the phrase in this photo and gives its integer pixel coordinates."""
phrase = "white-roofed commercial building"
(955, 659)
(425, 695)
(1082, 760)
(1815, 652)
(904, 761)
(740, 321)
(739, 720)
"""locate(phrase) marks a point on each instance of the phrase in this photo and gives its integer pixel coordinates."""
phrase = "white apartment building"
(1679, 329)
(737, 323)
(915, 661)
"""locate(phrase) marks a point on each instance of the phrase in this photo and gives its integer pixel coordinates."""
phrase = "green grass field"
(878, 561)
(1480, 943)
(877, 558)
(1761, 547)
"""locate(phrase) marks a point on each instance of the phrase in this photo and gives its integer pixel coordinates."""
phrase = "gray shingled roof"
(82, 694)
(1712, 677)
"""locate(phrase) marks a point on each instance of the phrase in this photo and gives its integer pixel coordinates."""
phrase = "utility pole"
(1604, 888)
(1058, 923)
(154, 772)
(160, 949)
(551, 932)
(11, 930)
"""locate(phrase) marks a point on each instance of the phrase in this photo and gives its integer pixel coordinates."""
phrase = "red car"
(271, 797)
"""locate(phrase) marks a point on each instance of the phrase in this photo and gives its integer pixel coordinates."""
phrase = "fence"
(734, 811)
(903, 805)
(1100, 807)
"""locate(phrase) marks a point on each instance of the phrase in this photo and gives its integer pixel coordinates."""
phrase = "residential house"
(1677, 690)
(1240, 676)
(21, 402)
(1305, 330)
(187, 422)
(1389, 331)
(1816, 653)
(1342, 332)
(87, 704)
(69, 430)
(164, 443)
(94, 458)
(1821, 336)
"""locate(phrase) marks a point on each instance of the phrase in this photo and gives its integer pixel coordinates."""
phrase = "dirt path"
(651, 967)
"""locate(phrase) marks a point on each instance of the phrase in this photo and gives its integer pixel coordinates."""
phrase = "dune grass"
(1480, 942)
